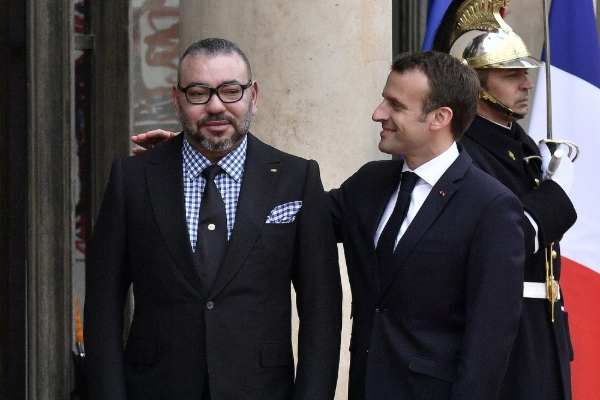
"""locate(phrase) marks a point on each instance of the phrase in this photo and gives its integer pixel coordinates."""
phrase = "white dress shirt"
(429, 173)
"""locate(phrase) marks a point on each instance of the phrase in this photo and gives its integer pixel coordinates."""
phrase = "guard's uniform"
(539, 363)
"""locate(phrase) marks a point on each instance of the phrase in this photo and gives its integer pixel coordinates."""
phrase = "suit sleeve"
(316, 279)
(107, 282)
(494, 299)
(552, 210)
(337, 210)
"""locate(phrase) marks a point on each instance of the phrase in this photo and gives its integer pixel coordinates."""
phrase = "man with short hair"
(539, 366)
(437, 287)
(211, 229)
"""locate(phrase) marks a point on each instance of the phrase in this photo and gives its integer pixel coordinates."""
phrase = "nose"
(215, 105)
(379, 115)
(527, 84)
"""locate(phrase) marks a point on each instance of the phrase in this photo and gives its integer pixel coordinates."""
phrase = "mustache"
(215, 118)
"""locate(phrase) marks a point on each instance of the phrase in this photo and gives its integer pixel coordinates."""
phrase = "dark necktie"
(387, 239)
(211, 241)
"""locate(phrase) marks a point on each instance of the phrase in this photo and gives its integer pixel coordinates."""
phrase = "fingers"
(544, 150)
(137, 150)
(150, 139)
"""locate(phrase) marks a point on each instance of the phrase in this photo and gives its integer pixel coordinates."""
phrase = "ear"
(441, 118)
(254, 96)
(175, 96)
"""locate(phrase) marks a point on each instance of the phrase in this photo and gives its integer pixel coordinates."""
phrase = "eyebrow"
(395, 102)
(226, 82)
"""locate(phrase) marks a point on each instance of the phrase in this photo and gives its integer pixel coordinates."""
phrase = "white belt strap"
(535, 290)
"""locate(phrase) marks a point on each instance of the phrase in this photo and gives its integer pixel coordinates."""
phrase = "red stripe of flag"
(582, 300)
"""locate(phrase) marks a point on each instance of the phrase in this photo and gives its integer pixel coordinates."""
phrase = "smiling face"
(405, 129)
(510, 87)
(215, 128)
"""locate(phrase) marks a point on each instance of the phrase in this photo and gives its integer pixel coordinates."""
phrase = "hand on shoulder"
(150, 139)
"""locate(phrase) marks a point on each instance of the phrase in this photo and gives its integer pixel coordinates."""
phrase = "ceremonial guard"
(474, 31)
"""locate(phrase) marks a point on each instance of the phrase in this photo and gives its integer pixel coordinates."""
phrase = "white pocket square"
(284, 213)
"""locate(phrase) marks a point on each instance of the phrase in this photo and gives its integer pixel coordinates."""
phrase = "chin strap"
(491, 100)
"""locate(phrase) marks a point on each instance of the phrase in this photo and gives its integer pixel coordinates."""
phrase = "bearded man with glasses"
(211, 229)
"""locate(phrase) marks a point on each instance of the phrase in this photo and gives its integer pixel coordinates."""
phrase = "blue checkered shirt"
(228, 183)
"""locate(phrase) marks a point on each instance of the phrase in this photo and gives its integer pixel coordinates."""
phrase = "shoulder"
(257, 147)
(372, 179)
(487, 186)
(474, 178)
(375, 171)
(382, 167)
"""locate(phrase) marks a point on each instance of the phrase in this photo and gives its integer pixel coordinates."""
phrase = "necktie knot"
(408, 182)
(209, 173)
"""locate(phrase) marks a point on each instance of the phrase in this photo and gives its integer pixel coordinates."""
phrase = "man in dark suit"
(210, 326)
(435, 315)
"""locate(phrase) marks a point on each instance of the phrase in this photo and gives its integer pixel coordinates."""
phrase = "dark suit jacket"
(539, 366)
(240, 329)
(443, 326)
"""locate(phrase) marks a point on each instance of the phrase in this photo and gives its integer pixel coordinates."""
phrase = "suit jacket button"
(210, 305)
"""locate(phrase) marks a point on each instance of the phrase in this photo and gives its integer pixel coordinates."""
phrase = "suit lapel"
(164, 174)
(433, 206)
(261, 173)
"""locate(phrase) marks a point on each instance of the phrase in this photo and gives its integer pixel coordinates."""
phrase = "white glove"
(564, 173)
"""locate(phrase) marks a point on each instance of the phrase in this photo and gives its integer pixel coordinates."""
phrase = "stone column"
(50, 219)
(321, 66)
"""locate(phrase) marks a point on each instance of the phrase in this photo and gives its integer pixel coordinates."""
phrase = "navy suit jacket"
(442, 327)
(240, 329)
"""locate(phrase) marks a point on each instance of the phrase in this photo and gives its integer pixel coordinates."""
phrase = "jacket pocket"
(436, 368)
(276, 354)
(140, 351)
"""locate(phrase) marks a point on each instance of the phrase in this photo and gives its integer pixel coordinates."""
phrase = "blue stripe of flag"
(435, 12)
(574, 44)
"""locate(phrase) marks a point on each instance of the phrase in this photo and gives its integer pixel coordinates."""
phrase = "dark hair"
(212, 47)
(452, 84)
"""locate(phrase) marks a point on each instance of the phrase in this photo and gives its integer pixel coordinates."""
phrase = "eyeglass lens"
(227, 93)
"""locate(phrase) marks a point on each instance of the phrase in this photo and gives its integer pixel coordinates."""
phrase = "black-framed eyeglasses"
(226, 92)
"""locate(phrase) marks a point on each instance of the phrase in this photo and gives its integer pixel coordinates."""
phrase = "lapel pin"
(442, 193)
(511, 155)
(273, 170)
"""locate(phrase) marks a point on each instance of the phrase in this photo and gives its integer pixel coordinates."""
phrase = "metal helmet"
(482, 39)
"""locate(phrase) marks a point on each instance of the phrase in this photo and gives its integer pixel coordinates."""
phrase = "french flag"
(575, 78)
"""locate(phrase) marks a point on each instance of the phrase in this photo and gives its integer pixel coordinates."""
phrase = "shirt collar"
(509, 126)
(433, 169)
(232, 163)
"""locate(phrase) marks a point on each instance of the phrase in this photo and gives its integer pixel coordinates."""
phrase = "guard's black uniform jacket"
(539, 366)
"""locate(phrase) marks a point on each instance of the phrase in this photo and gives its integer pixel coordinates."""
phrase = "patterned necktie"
(387, 239)
(211, 241)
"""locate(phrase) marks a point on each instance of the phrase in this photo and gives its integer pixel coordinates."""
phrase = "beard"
(240, 129)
